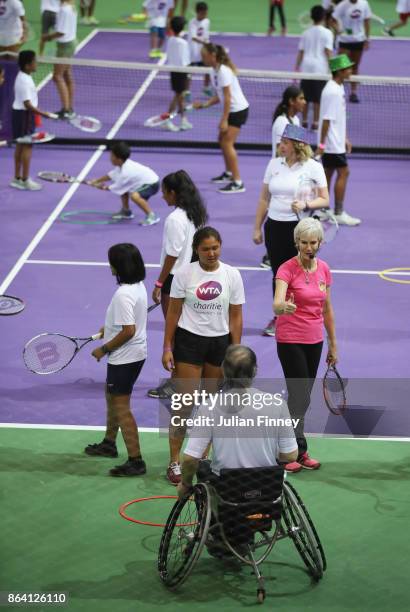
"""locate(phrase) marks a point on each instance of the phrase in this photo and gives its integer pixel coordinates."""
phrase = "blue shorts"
(147, 191)
(159, 31)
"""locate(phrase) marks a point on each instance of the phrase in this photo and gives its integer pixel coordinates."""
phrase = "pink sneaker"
(293, 467)
(174, 473)
(308, 463)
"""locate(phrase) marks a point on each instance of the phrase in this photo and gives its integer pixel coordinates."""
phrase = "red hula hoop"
(149, 523)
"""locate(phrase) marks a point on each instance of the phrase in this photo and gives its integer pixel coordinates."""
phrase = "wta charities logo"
(209, 291)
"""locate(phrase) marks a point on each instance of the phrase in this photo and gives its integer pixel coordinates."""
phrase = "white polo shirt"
(24, 89)
(177, 239)
(66, 23)
(157, 11)
(333, 108)
(207, 296)
(278, 128)
(177, 51)
(283, 182)
(255, 443)
(197, 29)
(225, 77)
(130, 177)
(351, 18)
(313, 42)
(403, 6)
(50, 5)
(128, 307)
(11, 27)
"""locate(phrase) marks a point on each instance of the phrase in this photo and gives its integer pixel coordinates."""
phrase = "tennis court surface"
(61, 528)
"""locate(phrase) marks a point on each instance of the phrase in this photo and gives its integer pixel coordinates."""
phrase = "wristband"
(321, 146)
(158, 284)
(105, 350)
(167, 348)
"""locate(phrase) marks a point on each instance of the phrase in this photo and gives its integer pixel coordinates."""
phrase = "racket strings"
(334, 390)
(10, 305)
(49, 353)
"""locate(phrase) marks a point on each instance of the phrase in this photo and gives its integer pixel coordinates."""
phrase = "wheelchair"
(239, 515)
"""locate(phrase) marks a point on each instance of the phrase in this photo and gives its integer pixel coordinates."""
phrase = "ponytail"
(290, 93)
(221, 55)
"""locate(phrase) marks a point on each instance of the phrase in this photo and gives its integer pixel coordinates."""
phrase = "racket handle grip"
(97, 336)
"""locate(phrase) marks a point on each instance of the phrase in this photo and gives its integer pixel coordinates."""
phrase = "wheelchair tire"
(181, 547)
(306, 539)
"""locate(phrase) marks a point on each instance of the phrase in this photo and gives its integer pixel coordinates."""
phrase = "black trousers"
(280, 244)
(299, 363)
(272, 15)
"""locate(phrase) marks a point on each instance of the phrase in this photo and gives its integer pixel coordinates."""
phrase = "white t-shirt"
(198, 29)
(128, 307)
(283, 182)
(130, 177)
(11, 27)
(207, 296)
(66, 23)
(177, 239)
(50, 5)
(326, 4)
(225, 77)
(333, 107)
(255, 442)
(24, 89)
(157, 11)
(277, 130)
(351, 17)
(403, 6)
(313, 43)
(177, 52)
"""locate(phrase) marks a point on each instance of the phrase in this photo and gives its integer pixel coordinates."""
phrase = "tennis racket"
(306, 192)
(36, 138)
(134, 18)
(85, 123)
(60, 177)
(334, 391)
(152, 307)
(10, 305)
(158, 120)
(50, 353)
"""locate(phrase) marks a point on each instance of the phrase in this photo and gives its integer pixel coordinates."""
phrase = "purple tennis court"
(63, 275)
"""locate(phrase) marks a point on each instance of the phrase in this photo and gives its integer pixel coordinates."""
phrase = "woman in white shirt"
(13, 26)
(292, 102)
(278, 202)
(353, 21)
(125, 343)
(234, 115)
(65, 34)
(204, 317)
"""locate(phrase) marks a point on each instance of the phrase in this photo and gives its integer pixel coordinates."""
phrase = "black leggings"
(272, 15)
(280, 243)
(299, 364)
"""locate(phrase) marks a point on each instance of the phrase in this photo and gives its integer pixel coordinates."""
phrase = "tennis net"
(136, 91)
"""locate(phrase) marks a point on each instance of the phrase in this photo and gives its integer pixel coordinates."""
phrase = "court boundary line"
(82, 174)
(49, 426)
(242, 268)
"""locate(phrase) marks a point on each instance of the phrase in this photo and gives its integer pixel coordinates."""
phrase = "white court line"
(157, 430)
(73, 188)
(47, 262)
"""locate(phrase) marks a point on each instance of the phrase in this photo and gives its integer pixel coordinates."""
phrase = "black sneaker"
(265, 263)
(63, 114)
(222, 178)
(164, 391)
(233, 188)
(129, 468)
(102, 449)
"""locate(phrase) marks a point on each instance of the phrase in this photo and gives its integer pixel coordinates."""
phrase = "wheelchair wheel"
(302, 531)
(181, 545)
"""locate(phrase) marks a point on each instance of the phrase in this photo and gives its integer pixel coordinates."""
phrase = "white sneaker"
(170, 126)
(93, 21)
(185, 124)
(150, 219)
(31, 185)
(346, 219)
(84, 21)
(17, 184)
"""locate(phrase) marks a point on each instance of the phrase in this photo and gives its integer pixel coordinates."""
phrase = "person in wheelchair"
(243, 435)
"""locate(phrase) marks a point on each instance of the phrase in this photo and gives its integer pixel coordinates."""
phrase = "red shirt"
(305, 326)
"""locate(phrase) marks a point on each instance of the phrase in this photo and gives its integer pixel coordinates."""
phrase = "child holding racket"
(25, 107)
(130, 180)
(125, 344)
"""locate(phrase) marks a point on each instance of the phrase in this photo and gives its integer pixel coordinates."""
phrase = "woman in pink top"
(303, 306)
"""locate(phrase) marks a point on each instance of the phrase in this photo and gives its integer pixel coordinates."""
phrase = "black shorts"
(312, 90)
(147, 191)
(48, 21)
(198, 350)
(351, 46)
(22, 122)
(179, 82)
(239, 118)
(121, 378)
(166, 287)
(334, 160)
